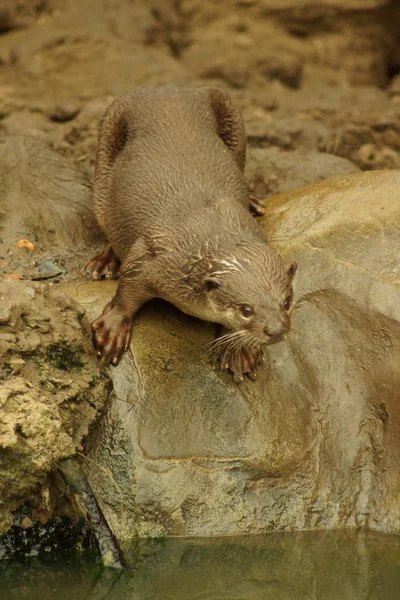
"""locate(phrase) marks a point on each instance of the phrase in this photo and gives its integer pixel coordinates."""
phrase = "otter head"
(252, 294)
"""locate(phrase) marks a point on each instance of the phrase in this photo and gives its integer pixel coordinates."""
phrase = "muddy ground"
(318, 82)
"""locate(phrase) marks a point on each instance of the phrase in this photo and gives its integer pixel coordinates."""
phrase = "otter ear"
(211, 283)
(292, 270)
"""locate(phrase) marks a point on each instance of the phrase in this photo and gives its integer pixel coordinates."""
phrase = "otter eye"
(288, 303)
(247, 311)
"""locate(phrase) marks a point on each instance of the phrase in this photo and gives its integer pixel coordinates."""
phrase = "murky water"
(301, 566)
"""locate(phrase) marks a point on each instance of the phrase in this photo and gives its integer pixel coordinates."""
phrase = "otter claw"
(256, 206)
(240, 362)
(104, 264)
(111, 334)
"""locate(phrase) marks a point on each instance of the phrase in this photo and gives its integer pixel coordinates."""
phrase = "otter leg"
(240, 362)
(111, 332)
(230, 125)
(104, 263)
(256, 206)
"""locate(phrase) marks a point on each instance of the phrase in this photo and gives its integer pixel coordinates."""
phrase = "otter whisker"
(232, 346)
(227, 341)
(227, 336)
(221, 341)
(238, 344)
(240, 339)
(254, 340)
(230, 334)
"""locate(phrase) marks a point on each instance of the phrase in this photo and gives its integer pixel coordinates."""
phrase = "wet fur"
(169, 194)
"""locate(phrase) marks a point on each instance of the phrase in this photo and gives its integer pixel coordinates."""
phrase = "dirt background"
(317, 80)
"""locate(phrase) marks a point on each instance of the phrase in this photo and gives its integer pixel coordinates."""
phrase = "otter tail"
(112, 139)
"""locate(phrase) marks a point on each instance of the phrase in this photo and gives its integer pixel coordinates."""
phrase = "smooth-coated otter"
(170, 196)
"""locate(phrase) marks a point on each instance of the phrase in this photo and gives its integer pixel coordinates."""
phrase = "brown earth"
(317, 81)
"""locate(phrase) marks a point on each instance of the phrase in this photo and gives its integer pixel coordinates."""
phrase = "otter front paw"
(111, 334)
(256, 206)
(242, 362)
(104, 264)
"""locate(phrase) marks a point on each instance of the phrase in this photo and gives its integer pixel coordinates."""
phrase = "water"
(299, 566)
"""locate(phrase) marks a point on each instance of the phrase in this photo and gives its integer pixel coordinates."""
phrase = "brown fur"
(169, 195)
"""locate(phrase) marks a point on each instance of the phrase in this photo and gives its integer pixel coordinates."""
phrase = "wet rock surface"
(314, 442)
(58, 538)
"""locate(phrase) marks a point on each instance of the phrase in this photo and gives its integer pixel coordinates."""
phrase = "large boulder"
(315, 441)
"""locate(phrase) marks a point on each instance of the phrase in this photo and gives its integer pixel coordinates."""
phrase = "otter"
(170, 196)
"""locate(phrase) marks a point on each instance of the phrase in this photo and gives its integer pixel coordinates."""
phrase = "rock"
(113, 46)
(49, 268)
(51, 391)
(288, 134)
(372, 145)
(271, 170)
(314, 442)
(63, 113)
(7, 17)
(46, 199)
(394, 86)
(34, 182)
(14, 15)
(27, 124)
(29, 538)
(254, 54)
(346, 43)
(370, 156)
(285, 67)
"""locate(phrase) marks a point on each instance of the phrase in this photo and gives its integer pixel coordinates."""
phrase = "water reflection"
(300, 566)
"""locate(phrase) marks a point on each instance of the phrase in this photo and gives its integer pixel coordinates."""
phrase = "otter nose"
(275, 331)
